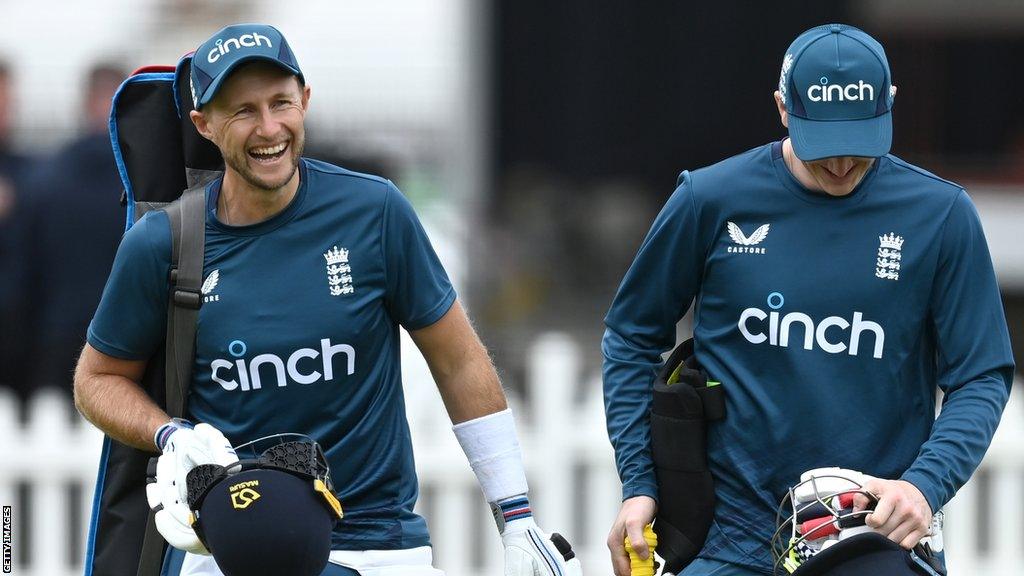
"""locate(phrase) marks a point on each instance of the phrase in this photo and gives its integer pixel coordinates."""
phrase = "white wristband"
(492, 449)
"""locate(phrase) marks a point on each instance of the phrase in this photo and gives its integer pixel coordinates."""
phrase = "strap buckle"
(186, 298)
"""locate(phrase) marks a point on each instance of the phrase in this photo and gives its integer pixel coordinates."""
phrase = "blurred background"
(537, 141)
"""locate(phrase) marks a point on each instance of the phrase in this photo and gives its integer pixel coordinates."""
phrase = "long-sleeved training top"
(829, 320)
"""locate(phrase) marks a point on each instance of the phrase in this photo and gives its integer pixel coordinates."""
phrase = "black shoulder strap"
(188, 239)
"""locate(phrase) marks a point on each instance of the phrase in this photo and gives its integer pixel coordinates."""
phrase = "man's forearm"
(472, 390)
(960, 436)
(461, 367)
(486, 430)
(475, 402)
(117, 406)
(628, 374)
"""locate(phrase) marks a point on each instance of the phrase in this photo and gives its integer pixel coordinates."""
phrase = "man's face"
(838, 176)
(256, 120)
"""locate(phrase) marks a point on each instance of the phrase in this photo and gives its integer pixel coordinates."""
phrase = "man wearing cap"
(836, 286)
(309, 271)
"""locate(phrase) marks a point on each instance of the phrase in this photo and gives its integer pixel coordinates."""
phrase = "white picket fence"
(574, 488)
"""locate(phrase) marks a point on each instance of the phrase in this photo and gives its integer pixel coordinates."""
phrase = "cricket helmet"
(271, 512)
(819, 533)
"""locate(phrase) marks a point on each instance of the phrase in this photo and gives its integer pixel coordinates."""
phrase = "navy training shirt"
(829, 321)
(298, 332)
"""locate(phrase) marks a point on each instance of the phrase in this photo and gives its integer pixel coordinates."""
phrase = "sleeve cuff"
(927, 488)
(435, 314)
(640, 488)
(111, 350)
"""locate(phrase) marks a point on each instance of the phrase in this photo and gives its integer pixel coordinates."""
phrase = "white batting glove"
(529, 551)
(184, 448)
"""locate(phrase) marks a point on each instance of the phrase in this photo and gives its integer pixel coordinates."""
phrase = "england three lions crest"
(890, 255)
(339, 273)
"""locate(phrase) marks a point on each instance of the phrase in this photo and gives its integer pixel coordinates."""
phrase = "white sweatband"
(492, 449)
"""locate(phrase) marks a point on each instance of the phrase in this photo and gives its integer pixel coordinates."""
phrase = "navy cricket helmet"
(869, 553)
(820, 533)
(268, 514)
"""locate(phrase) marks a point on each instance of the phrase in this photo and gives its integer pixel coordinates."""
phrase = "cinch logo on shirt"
(830, 334)
(826, 92)
(252, 374)
(245, 40)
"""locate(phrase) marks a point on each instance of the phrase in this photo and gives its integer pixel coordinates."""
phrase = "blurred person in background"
(67, 233)
(11, 164)
(836, 287)
(13, 170)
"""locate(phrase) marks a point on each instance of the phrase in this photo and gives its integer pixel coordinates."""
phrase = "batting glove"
(183, 448)
(529, 551)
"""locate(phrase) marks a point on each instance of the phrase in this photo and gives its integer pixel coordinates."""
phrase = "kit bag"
(164, 165)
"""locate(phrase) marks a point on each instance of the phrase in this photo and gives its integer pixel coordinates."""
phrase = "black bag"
(684, 401)
(161, 158)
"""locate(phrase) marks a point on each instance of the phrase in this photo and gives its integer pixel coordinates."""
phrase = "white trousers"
(411, 562)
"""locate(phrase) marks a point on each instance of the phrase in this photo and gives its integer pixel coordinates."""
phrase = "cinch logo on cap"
(826, 92)
(222, 46)
(229, 48)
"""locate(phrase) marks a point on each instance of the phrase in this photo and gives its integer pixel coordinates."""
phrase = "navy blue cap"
(837, 89)
(229, 48)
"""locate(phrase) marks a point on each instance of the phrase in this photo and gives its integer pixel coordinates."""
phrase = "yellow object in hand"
(637, 566)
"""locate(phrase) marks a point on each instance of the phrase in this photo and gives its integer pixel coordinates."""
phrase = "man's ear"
(783, 115)
(202, 124)
(305, 97)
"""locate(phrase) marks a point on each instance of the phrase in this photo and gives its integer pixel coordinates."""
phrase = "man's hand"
(529, 551)
(902, 513)
(173, 517)
(635, 513)
(167, 493)
(190, 447)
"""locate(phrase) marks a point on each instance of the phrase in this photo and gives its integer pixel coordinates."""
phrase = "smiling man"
(837, 287)
(310, 271)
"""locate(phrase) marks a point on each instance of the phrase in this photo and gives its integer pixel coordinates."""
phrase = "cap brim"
(214, 86)
(814, 139)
